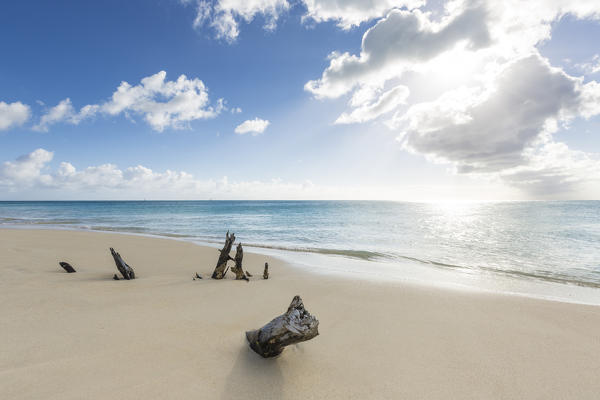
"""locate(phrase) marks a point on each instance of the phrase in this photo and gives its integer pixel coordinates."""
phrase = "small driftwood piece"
(122, 266)
(296, 325)
(67, 267)
(237, 269)
(248, 274)
(198, 276)
(115, 277)
(220, 269)
(266, 271)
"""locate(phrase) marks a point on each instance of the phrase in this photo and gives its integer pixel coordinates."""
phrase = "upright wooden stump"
(266, 271)
(239, 272)
(220, 269)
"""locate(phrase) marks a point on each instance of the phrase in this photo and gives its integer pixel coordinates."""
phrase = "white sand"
(165, 336)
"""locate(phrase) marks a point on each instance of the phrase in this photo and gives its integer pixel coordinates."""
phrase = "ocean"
(550, 249)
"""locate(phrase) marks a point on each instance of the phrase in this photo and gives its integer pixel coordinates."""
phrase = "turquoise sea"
(553, 244)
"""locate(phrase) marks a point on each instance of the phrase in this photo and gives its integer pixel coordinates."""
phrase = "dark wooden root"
(67, 267)
(198, 276)
(122, 266)
(237, 269)
(295, 326)
(115, 277)
(220, 269)
(248, 274)
(266, 271)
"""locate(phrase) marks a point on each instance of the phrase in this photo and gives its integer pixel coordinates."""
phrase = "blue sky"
(411, 130)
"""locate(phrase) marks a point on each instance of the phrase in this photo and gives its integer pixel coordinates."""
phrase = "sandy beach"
(166, 336)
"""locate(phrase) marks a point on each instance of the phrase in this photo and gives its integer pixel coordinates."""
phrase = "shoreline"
(163, 335)
(348, 267)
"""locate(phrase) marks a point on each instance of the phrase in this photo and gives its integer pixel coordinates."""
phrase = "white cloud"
(26, 170)
(13, 114)
(163, 104)
(64, 112)
(351, 13)
(185, 100)
(224, 16)
(255, 126)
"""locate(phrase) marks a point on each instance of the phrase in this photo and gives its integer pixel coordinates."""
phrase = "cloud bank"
(32, 174)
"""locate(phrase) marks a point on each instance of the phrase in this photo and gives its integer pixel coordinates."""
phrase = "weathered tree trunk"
(238, 270)
(266, 271)
(122, 266)
(67, 267)
(219, 272)
(296, 325)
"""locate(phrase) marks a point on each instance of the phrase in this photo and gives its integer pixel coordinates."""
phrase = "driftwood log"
(237, 269)
(67, 267)
(266, 271)
(220, 269)
(122, 266)
(296, 325)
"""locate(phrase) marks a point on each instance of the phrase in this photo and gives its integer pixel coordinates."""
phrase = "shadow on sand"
(254, 377)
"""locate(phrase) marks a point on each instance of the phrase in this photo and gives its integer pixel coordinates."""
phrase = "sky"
(408, 100)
